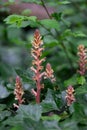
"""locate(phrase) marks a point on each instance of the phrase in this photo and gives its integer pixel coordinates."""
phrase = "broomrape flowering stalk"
(70, 95)
(82, 53)
(37, 67)
(18, 92)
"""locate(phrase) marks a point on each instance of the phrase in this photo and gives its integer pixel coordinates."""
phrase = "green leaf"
(50, 23)
(67, 33)
(32, 18)
(69, 124)
(52, 125)
(79, 112)
(18, 127)
(3, 92)
(49, 103)
(20, 21)
(4, 114)
(13, 19)
(30, 111)
(64, 2)
(71, 81)
(53, 117)
(81, 90)
(2, 107)
(79, 34)
(57, 16)
(81, 80)
(26, 12)
(26, 76)
(17, 120)
(29, 124)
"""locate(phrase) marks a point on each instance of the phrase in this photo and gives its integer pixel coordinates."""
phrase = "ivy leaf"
(52, 125)
(4, 114)
(50, 23)
(2, 107)
(3, 92)
(79, 112)
(49, 103)
(30, 111)
(25, 124)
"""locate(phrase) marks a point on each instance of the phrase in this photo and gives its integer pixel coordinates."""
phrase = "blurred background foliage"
(62, 31)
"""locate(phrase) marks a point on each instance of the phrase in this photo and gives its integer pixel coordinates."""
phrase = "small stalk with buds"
(70, 95)
(18, 92)
(82, 53)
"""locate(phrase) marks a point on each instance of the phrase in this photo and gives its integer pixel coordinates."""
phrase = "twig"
(43, 4)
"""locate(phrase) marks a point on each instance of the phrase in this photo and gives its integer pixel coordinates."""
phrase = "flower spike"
(18, 92)
(70, 96)
(37, 67)
(82, 53)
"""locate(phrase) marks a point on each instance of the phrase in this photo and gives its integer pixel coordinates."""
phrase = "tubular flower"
(82, 53)
(37, 63)
(49, 73)
(70, 96)
(37, 42)
(18, 92)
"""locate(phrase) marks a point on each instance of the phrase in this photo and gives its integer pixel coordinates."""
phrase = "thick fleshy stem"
(82, 53)
(37, 64)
